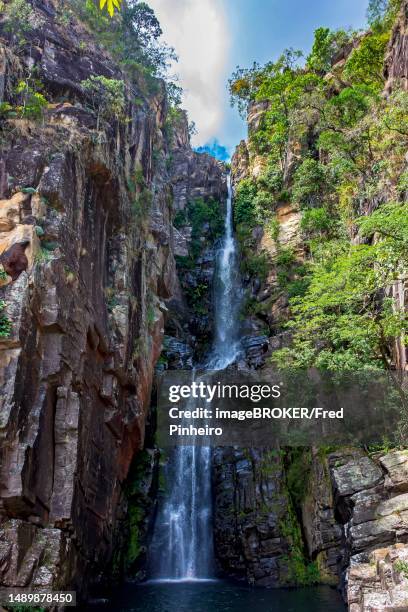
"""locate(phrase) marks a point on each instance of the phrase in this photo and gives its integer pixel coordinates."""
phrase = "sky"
(212, 37)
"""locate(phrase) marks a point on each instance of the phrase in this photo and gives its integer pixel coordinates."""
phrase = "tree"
(365, 63)
(107, 97)
(325, 46)
(381, 13)
(132, 37)
(345, 320)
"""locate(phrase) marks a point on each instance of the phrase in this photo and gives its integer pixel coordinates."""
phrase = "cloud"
(215, 149)
(198, 30)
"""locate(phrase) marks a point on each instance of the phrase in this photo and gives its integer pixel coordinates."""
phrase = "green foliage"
(401, 566)
(346, 145)
(326, 45)
(196, 295)
(43, 255)
(310, 183)
(18, 14)
(135, 516)
(300, 571)
(132, 37)
(316, 222)
(390, 221)
(285, 258)
(107, 96)
(142, 203)
(30, 103)
(136, 500)
(256, 265)
(5, 323)
(381, 13)
(342, 322)
(299, 460)
(271, 179)
(3, 273)
(201, 212)
(244, 205)
(365, 64)
(207, 224)
(180, 219)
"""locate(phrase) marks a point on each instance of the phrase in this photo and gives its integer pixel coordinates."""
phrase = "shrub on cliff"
(131, 37)
(5, 324)
(107, 97)
(345, 319)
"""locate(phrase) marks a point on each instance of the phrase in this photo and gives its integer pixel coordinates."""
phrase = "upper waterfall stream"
(182, 543)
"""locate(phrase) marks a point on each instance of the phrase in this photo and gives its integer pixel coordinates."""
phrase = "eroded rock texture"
(396, 64)
(253, 516)
(87, 242)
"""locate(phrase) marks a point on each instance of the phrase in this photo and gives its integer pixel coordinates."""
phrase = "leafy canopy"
(346, 320)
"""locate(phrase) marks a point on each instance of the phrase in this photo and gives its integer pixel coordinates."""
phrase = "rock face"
(322, 532)
(87, 245)
(200, 190)
(355, 507)
(194, 175)
(252, 510)
(396, 64)
(381, 583)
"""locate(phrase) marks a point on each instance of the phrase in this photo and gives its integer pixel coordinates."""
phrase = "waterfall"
(182, 546)
(227, 298)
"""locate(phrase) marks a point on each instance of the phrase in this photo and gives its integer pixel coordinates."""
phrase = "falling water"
(182, 542)
(227, 298)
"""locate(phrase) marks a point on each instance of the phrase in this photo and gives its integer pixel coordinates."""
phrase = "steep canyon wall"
(87, 246)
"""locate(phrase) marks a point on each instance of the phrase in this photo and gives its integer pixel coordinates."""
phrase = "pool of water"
(219, 596)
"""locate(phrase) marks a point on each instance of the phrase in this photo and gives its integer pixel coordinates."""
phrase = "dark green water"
(220, 596)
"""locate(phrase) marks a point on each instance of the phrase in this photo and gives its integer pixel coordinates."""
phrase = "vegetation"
(300, 571)
(26, 100)
(18, 15)
(402, 566)
(132, 37)
(5, 323)
(126, 559)
(207, 225)
(348, 179)
(3, 273)
(107, 97)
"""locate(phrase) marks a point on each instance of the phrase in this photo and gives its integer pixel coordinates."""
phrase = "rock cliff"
(88, 283)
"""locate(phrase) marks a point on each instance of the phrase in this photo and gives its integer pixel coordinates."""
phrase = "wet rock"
(179, 355)
(256, 349)
(251, 505)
